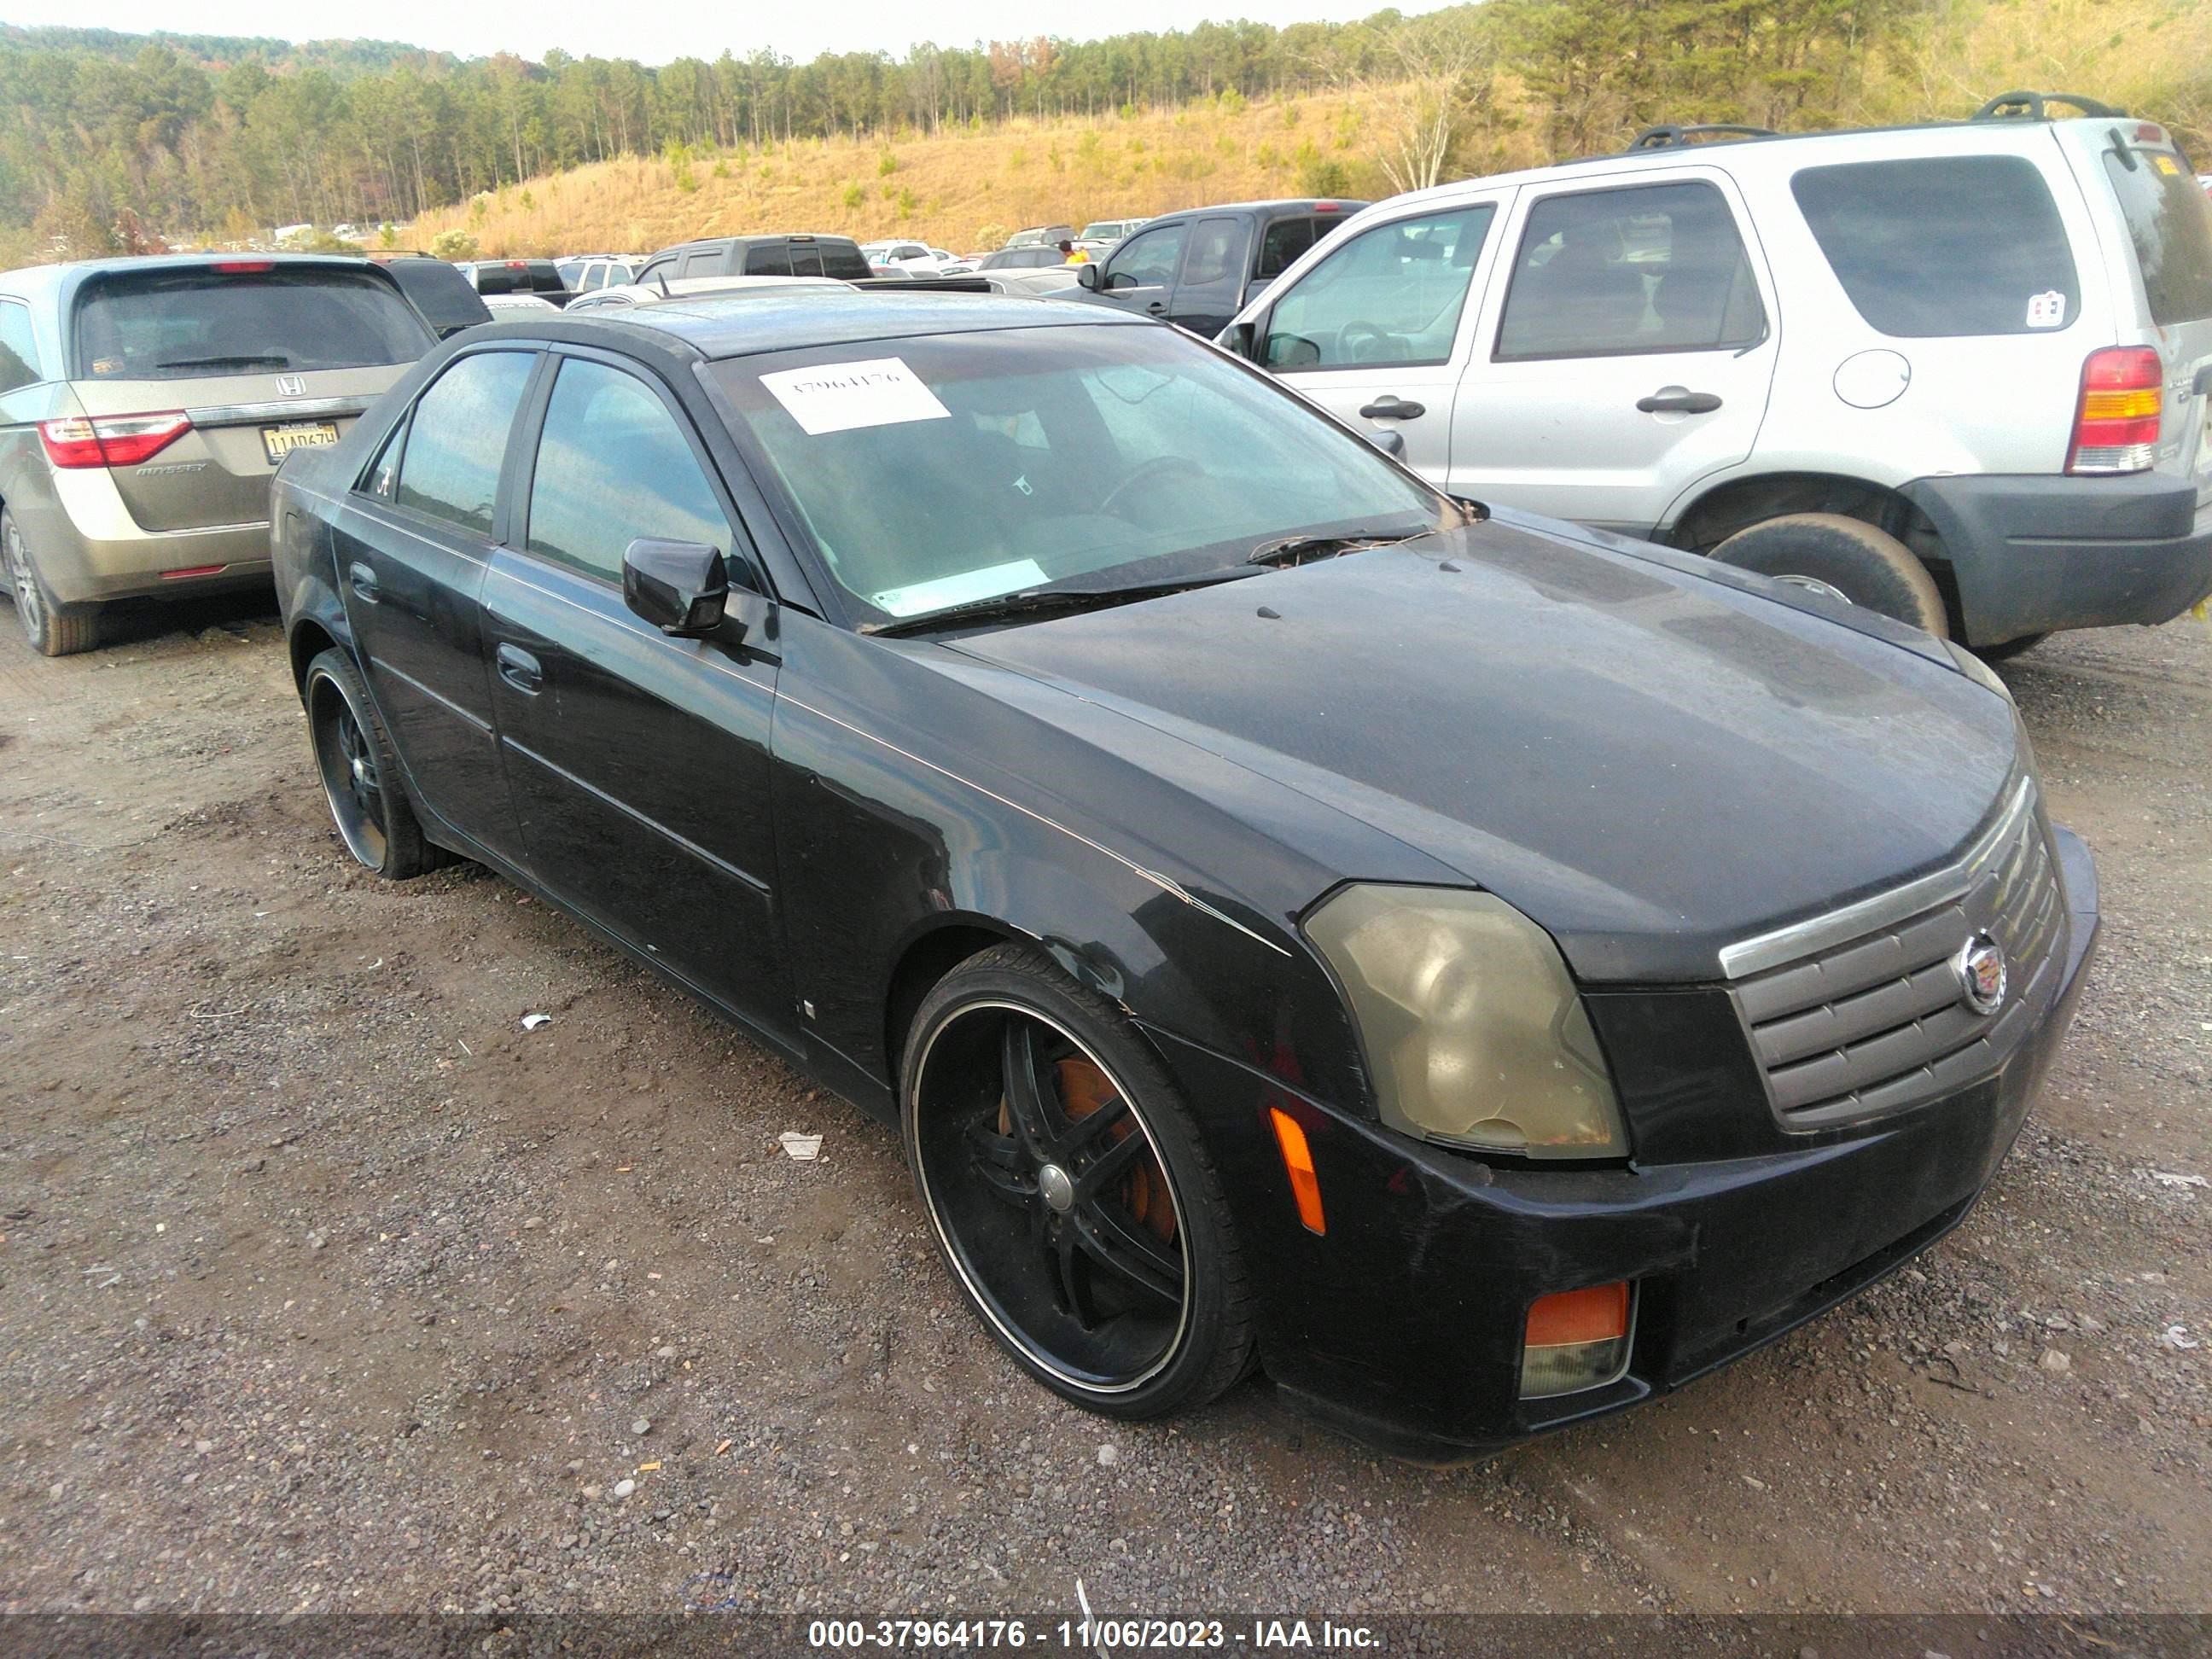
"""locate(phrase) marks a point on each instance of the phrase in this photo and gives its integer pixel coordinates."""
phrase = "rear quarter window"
(192, 324)
(1941, 246)
(2171, 225)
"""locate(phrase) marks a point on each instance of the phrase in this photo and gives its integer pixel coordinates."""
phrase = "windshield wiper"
(276, 360)
(1298, 550)
(1034, 601)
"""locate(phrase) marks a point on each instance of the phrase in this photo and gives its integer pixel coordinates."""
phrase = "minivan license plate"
(282, 440)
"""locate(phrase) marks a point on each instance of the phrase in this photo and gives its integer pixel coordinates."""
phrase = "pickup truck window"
(707, 262)
(1147, 259)
(1214, 245)
(769, 259)
(1285, 240)
(1391, 295)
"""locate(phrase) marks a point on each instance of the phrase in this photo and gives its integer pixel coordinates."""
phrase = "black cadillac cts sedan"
(1481, 972)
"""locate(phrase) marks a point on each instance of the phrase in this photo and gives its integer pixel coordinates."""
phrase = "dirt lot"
(325, 1287)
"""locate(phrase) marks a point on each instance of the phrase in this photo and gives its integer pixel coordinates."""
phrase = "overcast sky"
(655, 33)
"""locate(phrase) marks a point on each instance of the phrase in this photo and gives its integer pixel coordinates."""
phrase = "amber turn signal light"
(1298, 1163)
(1576, 1339)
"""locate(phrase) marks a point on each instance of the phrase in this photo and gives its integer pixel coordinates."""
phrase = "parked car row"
(1258, 852)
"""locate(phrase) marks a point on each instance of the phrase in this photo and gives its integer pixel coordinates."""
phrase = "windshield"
(180, 324)
(943, 469)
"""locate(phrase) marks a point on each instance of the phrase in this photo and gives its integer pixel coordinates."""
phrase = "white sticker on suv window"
(985, 584)
(842, 397)
(2046, 309)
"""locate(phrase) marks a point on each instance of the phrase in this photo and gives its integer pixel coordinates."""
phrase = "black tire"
(51, 631)
(2010, 648)
(1086, 1293)
(1866, 565)
(361, 776)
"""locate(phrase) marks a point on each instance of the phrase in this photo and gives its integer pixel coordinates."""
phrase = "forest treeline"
(109, 140)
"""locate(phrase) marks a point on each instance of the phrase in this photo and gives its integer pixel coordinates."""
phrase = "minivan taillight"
(111, 440)
(2116, 422)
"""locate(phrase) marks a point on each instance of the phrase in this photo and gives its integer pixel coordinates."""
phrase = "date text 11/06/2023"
(1087, 1635)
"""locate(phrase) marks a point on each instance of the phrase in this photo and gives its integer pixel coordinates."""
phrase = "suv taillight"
(2116, 422)
(111, 440)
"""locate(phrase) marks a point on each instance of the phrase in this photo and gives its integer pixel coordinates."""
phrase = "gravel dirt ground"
(324, 1286)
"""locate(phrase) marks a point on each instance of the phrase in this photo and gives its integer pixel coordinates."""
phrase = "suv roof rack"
(2035, 106)
(1672, 137)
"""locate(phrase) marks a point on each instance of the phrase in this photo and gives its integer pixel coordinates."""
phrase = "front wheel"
(1846, 558)
(1070, 1192)
(361, 776)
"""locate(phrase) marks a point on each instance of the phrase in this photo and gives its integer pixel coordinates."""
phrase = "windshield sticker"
(2046, 309)
(985, 584)
(843, 397)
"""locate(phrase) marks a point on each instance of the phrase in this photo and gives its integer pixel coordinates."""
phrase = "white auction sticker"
(841, 397)
(985, 584)
(2046, 309)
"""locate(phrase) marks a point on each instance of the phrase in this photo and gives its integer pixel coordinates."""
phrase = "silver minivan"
(1956, 373)
(146, 403)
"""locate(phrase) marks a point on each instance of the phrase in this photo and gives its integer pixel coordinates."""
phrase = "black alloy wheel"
(361, 776)
(1069, 1191)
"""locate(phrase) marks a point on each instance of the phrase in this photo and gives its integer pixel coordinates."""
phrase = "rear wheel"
(52, 632)
(361, 776)
(1070, 1192)
(1845, 558)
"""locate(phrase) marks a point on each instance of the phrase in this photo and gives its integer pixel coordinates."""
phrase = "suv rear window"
(2171, 225)
(189, 323)
(1944, 245)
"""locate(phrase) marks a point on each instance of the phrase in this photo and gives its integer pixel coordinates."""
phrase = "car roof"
(63, 280)
(1345, 204)
(728, 325)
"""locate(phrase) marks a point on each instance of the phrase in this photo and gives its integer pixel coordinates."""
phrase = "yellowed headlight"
(1475, 1034)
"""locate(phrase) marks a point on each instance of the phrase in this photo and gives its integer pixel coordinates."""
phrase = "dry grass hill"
(961, 188)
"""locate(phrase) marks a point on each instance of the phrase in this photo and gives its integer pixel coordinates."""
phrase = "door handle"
(1679, 402)
(1157, 307)
(1387, 408)
(363, 581)
(520, 670)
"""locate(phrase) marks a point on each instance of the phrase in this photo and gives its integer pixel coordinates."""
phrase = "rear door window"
(707, 262)
(1652, 267)
(1214, 245)
(173, 325)
(769, 259)
(1941, 246)
(1391, 295)
(2170, 223)
(457, 440)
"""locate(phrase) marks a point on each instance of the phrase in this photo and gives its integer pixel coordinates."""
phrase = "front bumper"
(1402, 1325)
(2034, 553)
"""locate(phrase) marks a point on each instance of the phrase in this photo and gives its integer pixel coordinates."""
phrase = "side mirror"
(1093, 276)
(680, 587)
(1388, 439)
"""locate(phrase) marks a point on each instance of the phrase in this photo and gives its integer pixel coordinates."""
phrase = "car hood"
(1651, 763)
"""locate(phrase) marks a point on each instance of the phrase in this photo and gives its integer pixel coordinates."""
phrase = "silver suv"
(1954, 372)
(144, 404)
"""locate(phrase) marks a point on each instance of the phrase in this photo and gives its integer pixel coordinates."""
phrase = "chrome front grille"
(1878, 1022)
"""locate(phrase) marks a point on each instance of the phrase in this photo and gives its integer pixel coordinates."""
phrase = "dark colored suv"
(1198, 268)
(798, 254)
